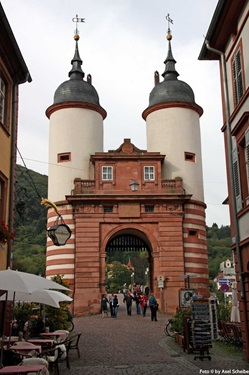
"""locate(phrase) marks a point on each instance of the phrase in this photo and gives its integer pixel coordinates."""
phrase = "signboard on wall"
(185, 296)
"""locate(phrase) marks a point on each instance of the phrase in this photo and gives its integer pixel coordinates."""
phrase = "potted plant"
(178, 324)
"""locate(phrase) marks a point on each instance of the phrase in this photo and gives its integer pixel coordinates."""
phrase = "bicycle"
(168, 328)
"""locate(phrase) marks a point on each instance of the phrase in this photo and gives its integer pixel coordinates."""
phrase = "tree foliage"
(30, 222)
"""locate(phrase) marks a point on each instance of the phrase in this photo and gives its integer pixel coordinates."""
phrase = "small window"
(64, 157)
(149, 173)
(148, 208)
(2, 100)
(107, 173)
(192, 233)
(189, 156)
(108, 208)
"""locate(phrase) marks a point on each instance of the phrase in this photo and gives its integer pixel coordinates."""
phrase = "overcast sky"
(122, 43)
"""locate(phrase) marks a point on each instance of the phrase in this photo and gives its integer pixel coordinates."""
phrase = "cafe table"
(43, 342)
(18, 370)
(24, 349)
(61, 335)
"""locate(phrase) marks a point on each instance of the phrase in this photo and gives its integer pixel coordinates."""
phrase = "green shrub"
(179, 317)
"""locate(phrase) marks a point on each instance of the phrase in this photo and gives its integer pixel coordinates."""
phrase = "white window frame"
(107, 173)
(2, 99)
(149, 173)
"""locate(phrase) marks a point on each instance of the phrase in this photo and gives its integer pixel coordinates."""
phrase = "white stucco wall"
(174, 131)
(80, 132)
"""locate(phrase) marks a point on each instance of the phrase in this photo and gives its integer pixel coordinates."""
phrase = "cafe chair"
(54, 356)
(11, 358)
(65, 332)
(74, 345)
(35, 361)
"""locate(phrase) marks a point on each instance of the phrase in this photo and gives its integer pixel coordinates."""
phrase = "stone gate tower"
(165, 216)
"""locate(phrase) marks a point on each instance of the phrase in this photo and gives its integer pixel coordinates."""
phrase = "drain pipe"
(12, 173)
(236, 238)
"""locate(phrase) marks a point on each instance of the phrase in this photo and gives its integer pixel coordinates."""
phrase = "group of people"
(114, 304)
(141, 300)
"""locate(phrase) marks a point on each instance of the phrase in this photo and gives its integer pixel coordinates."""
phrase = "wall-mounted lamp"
(134, 185)
(59, 232)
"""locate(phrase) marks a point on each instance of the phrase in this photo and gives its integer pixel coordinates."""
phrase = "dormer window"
(107, 173)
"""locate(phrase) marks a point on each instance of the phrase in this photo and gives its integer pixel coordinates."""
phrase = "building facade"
(227, 41)
(94, 190)
(13, 72)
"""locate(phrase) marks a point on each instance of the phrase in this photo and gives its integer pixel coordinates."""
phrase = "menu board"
(200, 309)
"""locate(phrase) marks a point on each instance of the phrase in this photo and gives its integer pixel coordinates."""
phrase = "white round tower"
(75, 132)
(172, 124)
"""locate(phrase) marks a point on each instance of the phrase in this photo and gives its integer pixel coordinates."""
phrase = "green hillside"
(30, 222)
(30, 231)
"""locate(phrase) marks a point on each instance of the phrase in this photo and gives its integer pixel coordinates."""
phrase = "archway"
(129, 261)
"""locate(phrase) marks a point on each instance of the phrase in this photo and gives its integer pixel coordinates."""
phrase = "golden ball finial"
(169, 36)
(76, 36)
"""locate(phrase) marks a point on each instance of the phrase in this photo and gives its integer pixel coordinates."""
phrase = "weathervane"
(169, 36)
(76, 20)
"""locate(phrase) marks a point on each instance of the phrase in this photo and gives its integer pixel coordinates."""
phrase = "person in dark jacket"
(115, 305)
(103, 305)
(153, 307)
(128, 300)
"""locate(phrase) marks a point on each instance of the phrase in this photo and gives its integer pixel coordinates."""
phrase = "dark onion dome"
(76, 89)
(171, 89)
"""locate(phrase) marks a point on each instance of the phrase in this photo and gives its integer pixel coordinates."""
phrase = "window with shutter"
(237, 77)
(236, 179)
(2, 100)
(247, 156)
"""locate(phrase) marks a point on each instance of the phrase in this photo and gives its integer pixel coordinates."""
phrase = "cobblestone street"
(136, 345)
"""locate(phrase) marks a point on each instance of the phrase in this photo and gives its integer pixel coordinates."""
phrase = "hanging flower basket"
(5, 233)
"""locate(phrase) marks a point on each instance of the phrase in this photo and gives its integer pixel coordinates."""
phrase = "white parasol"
(46, 297)
(17, 281)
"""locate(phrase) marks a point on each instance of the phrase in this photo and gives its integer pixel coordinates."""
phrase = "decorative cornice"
(157, 107)
(56, 107)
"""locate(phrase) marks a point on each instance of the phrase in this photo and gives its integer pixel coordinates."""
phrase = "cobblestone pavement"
(134, 345)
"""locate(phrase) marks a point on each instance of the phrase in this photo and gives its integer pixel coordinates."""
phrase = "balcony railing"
(167, 187)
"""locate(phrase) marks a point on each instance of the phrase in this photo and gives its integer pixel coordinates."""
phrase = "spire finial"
(169, 35)
(169, 72)
(76, 20)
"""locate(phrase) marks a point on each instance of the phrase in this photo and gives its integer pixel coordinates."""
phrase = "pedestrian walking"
(153, 307)
(137, 300)
(111, 297)
(103, 305)
(143, 302)
(128, 300)
(115, 305)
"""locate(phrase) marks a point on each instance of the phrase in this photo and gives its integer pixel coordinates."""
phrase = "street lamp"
(132, 278)
(147, 275)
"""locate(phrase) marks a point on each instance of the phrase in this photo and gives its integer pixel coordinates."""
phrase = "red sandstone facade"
(173, 229)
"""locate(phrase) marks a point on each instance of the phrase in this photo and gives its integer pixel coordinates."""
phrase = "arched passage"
(121, 247)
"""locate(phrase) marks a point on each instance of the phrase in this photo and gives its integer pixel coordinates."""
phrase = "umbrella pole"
(3, 325)
(11, 318)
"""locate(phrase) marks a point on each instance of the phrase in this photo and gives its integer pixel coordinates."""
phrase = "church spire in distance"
(169, 72)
